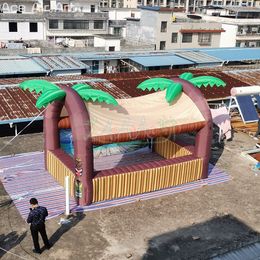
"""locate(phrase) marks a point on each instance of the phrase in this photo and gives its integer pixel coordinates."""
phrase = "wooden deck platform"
(239, 126)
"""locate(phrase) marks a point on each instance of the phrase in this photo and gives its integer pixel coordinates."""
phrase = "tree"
(174, 89)
(51, 92)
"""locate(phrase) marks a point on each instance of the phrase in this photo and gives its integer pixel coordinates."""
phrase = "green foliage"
(186, 76)
(173, 91)
(50, 96)
(97, 95)
(207, 80)
(50, 91)
(38, 85)
(155, 84)
(80, 86)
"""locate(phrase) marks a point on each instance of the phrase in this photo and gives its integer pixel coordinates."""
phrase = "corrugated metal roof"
(156, 60)
(252, 77)
(59, 63)
(198, 57)
(17, 105)
(21, 66)
(234, 54)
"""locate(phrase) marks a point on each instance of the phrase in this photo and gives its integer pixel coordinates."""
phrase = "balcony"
(248, 36)
(117, 23)
(204, 43)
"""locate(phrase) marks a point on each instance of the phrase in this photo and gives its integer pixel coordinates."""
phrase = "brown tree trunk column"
(204, 135)
(83, 150)
(50, 128)
(81, 133)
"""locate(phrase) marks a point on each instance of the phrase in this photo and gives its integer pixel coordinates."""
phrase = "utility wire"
(22, 130)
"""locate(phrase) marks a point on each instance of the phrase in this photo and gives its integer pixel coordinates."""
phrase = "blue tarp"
(161, 60)
(234, 54)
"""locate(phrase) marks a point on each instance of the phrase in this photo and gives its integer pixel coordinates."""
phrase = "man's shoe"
(49, 246)
(37, 251)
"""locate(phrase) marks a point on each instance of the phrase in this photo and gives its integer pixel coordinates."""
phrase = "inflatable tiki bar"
(124, 147)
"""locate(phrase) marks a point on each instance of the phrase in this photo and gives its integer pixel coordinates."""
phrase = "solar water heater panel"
(247, 109)
(257, 97)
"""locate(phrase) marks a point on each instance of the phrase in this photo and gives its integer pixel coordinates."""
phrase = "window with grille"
(162, 45)
(187, 37)
(92, 8)
(204, 38)
(12, 27)
(53, 24)
(33, 27)
(76, 24)
(174, 37)
(163, 26)
(98, 24)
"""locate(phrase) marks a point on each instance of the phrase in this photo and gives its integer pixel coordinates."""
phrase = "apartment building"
(120, 3)
(241, 27)
(166, 30)
(52, 20)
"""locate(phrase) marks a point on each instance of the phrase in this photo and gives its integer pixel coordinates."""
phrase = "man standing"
(37, 217)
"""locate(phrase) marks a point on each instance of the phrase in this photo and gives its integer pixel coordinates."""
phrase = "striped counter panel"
(59, 170)
(168, 149)
(132, 183)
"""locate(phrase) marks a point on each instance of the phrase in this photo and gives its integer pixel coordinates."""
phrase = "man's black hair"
(33, 201)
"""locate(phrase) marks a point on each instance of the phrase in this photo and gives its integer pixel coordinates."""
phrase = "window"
(95, 66)
(92, 8)
(98, 24)
(33, 27)
(75, 24)
(65, 7)
(162, 45)
(111, 48)
(53, 24)
(187, 37)
(174, 37)
(12, 27)
(117, 31)
(204, 38)
(163, 26)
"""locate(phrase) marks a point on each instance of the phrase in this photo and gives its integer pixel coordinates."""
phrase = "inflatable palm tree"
(173, 89)
(54, 98)
(51, 92)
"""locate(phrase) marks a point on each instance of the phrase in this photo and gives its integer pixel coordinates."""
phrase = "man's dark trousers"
(35, 230)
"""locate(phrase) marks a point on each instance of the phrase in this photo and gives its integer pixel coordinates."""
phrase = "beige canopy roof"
(149, 115)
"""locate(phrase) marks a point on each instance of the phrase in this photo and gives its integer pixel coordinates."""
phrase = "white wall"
(228, 38)
(118, 14)
(106, 43)
(130, 3)
(23, 31)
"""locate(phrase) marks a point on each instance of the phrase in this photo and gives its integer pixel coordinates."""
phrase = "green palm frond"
(97, 95)
(173, 91)
(155, 84)
(186, 76)
(50, 96)
(38, 85)
(80, 86)
(207, 80)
